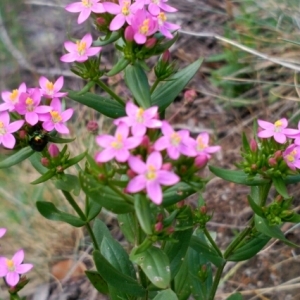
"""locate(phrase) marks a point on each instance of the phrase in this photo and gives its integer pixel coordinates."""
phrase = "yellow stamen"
(2, 128)
(56, 117)
(278, 123)
(81, 47)
(290, 158)
(13, 96)
(175, 139)
(145, 27)
(162, 17)
(140, 115)
(151, 174)
(49, 86)
(10, 265)
(118, 143)
(86, 3)
(200, 144)
(125, 8)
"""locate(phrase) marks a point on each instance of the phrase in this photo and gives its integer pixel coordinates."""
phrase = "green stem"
(155, 84)
(117, 191)
(91, 233)
(212, 241)
(110, 92)
(14, 297)
(216, 282)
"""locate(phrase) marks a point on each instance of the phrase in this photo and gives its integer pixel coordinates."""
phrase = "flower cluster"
(149, 159)
(12, 268)
(27, 106)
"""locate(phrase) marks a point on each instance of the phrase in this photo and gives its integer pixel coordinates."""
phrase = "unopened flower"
(56, 117)
(6, 130)
(12, 98)
(140, 119)
(53, 150)
(117, 146)
(12, 268)
(85, 8)
(50, 89)
(81, 50)
(2, 232)
(150, 176)
(278, 130)
(175, 142)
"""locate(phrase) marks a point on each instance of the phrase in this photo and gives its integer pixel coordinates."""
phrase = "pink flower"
(117, 146)
(139, 119)
(6, 130)
(143, 25)
(2, 232)
(175, 142)
(277, 130)
(123, 13)
(81, 50)
(165, 27)
(12, 98)
(156, 5)
(56, 117)
(50, 89)
(85, 8)
(12, 268)
(29, 106)
(291, 156)
(202, 146)
(150, 176)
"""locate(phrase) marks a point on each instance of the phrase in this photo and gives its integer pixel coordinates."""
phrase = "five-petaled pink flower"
(81, 50)
(12, 268)
(155, 6)
(6, 130)
(150, 176)
(117, 146)
(175, 142)
(165, 27)
(278, 130)
(2, 232)
(85, 8)
(12, 98)
(291, 156)
(29, 106)
(139, 119)
(50, 89)
(56, 118)
(202, 146)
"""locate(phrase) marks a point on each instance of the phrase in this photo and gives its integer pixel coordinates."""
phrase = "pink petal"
(31, 118)
(140, 38)
(3, 267)
(153, 9)
(48, 125)
(58, 83)
(88, 40)
(131, 109)
(117, 22)
(122, 155)
(105, 155)
(265, 124)
(162, 143)
(6, 96)
(138, 129)
(56, 104)
(104, 140)
(70, 57)
(265, 133)
(67, 114)
(122, 130)
(154, 191)
(155, 160)
(74, 7)
(2, 232)
(12, 278)
(8, 141)
(70, 46)
(92, 51)
(150, 112)
(167, 8)
(173, 152)
(279, 137)
(112, 8)
(133, 142)
(84, 14)
(136, 184)
(166, 128)
(24, 268)
(43, 109)
(167, 178)
(4, 117)
(137, 165)
(61, 128)
(15, 126)
(18, 257)
(43, 82)
(284, 122)
(98, 8)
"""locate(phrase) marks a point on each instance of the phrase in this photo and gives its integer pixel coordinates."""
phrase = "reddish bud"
(254, 167)
(150, 43)
(189, 95)
(272, 162)
(45, 161)
(159, 226)
(59, 169)
(180, 204)
(145, 142)
(101, 21)
(129, 34)
(53, 150)
(101, 176)
(92, 126)
(166, 56)
(160, 217)
(203, 210)
(22, 134)
(170, 230)
(278, 154)
(201, 161)
(253, 145)
(167, 167)
(130, 173)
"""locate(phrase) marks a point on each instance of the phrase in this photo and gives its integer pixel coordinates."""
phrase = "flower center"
(162, 18)
(86, 3)
(278, 125)
(56, 117)
(200, 144)
(151, 173)
(2, 128)
(155, 1)
(175, 139)
(81, 47)
(13, 97)
(144, 28)
(10, 265)
(49, 87)
(290, 158)
(140, 115)
(125, 8)
(29, 104)
(118, 143)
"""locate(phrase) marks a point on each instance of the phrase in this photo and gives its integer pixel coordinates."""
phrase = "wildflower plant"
(145, 171)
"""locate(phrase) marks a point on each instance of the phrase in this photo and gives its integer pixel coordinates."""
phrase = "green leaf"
(294, 218)
(182, 285)
(100, 231)
(166, 295)
(93, 210)
(50, 212)
(239, 177)
(143, 213)
(280, 187)
(137, 81)
(166, 92)
(127, 225)
(115, 278)
(250, 248)
(161, 48)
(291, 179)
(256, 208)
(16, 158)
(97, 281)
(76, 159)
(118, 67)
(235, 296)
(246, 145)
(35, 160)
(108, 107)
(68, 183)
(272, 231)
(208, 252)
(46, 176)
(104, 195)
(59, 140)
(176, 251)
(155, 264)
(110, 38)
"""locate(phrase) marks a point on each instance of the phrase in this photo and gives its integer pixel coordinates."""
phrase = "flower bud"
(101, 21)
(150, 43)
(59, 169)
(22, 134)
(253, 145)
(45, 161)
(189, 96)
(145, 142)
(201, 161)
(277, 154)
(203, 210)
(180, 204)
(170, 230)
(272, 161)
(129, 34)
(130, 173)
(160, 217)
(53, 150)
(167, 167)
(159, 226)
(92, 126)
(166, 56)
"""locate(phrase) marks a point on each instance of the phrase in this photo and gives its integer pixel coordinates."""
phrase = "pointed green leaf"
(115, 278)
(256, 208)
(93, 210)
(68, 183)
(97, 281)
(166, 295)
(246, 145)
(161, 48)
(182, 285)
(16, 158)
(75, 160)
(137, 81)
(35, 160)
(50, 212)
(127, 225)
(118, 67)
(292, 179)
(166, 92)
(294, 218)
(280, 186)
(110, 38)
(108, 107)
(239, 177)
(272, 231)
(46, 176)
(59, 140)
(155, 264)
(143, 213)
(235, 296)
